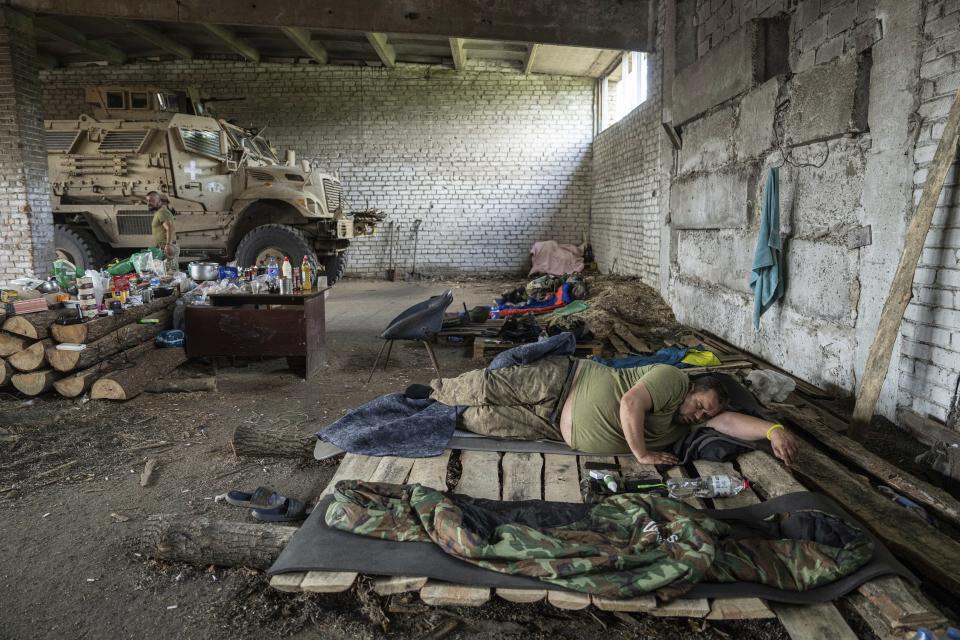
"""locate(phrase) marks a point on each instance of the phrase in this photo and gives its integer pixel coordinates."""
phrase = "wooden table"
(261, 325)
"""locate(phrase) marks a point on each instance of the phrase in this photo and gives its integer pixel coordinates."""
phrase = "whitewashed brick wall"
(627, 202)
(930, 363)
(489, 159)
(26, 229)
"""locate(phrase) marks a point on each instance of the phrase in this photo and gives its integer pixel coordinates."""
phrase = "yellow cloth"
(697, 358)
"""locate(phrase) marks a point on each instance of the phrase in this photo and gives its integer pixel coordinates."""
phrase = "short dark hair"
(154, 193)
(712, 383)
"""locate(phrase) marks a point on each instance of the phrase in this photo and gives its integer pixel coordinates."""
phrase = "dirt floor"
(72, 504)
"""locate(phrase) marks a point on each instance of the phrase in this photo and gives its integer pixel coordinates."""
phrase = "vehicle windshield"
(255, 146)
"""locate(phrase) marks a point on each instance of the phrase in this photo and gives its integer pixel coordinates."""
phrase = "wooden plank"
(811, 421)
(890, 596)
(561, 478)
(398, 584)
(637, 345)
(901, 287)
(431, 472)
(618, 344)
(480, 478)
(936, 557)
(568, 600)
(813, 622)
(352, 467)
(739, 609)
(444, 594)
(522, 596)
(683, 608)
(640, 604)
(392, 469)
(522, 479)
(289, 582)
(480, 474)
(328, 581)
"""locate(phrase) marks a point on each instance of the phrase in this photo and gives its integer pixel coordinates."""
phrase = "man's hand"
(784, 445)
(168, 250)
(657, 457)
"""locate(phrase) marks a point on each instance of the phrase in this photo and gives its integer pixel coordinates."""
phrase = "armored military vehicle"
(232, 196)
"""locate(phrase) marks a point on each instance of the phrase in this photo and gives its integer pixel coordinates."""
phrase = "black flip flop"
(264, 497)
(291, 510)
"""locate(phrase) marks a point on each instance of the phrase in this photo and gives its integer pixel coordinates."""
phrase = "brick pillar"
(26, 222)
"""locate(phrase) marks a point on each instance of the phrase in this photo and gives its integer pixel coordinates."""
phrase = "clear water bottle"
(724, 486)
(273, 269)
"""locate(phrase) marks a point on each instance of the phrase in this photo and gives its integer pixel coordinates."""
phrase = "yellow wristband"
(771, 429)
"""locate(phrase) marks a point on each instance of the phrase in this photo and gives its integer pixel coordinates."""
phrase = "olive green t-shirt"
(596, 406)
(161, 215)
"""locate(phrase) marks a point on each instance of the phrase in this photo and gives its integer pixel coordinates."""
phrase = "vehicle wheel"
(334, 267)
(275, 240)
(78, 246)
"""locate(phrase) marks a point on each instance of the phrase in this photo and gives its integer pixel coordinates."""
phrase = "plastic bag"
(770, 386)
(148, 262)
(66, 273)
(98, 285)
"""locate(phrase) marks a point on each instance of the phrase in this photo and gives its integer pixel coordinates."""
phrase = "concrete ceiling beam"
(65, 32)
(602, 24)
(383, 48)
(530, 59)
(155, 37)
(459, 53)
(237, 45)
(301, 37)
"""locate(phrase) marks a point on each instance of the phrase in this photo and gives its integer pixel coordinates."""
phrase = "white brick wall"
(490, 160)
(26, 231)
(930, 362)
(626, 207)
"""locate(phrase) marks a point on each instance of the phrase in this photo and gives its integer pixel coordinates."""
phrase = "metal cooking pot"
(200, 271)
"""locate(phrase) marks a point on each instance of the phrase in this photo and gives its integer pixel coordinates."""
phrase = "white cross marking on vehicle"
(193, 170)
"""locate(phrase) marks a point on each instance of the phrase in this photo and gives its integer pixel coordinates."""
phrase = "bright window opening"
(623, 89)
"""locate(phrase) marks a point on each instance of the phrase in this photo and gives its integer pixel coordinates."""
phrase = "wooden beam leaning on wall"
(155, 37)
(901, 288)
(302, 38)
(65, 32)
(237, 44)
(531, 58)
(383, 48)
(458, 53)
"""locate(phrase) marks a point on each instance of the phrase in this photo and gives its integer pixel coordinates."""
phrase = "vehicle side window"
(139, 100)
(115, 100)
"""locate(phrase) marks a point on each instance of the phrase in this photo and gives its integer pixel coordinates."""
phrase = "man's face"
(153, 201)
(698, 406)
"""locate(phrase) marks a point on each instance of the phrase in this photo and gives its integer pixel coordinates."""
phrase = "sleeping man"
(601, 410)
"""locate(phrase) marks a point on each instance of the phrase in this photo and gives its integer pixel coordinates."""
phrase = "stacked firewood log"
(117, 360)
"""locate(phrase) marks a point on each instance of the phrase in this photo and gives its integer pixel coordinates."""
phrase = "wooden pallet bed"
(888, 603)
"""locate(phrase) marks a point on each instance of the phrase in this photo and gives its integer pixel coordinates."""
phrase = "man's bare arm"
(744, 427)
(633, 409)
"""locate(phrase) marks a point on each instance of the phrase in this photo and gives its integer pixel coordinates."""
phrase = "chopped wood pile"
(113, 357)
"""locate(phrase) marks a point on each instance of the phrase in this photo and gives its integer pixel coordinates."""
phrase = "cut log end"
(74, 333)
(70, 387)
(106, 389)
(31, 358)
(62, 360)
(35, 382)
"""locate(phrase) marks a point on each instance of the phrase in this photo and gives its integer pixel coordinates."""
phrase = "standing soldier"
(164, 236)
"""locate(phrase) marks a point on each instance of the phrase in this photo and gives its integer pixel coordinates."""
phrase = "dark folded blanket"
(394, 425)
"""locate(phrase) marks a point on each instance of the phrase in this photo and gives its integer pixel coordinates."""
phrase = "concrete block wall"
(489, 159)
(836, 123)
(930, 363)
(26, 229)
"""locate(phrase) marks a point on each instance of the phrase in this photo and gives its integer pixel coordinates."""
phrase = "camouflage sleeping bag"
(624, 546)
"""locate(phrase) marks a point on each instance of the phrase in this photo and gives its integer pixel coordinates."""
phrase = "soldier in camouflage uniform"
(624, 546)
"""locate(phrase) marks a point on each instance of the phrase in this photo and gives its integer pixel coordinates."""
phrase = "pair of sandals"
(269, 506)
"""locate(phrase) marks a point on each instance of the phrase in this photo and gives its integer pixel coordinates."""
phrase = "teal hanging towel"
(765, 277)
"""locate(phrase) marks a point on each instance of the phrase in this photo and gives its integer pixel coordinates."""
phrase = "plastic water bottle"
(724, 486)
(286, 268)
(273, 270)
